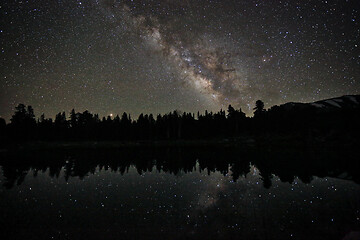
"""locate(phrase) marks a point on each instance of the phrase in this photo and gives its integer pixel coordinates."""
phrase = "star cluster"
(158, 56)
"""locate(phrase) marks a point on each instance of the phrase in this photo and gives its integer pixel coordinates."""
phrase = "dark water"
(180, 193)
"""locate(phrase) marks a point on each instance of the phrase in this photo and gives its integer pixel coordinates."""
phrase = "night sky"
(111, 56)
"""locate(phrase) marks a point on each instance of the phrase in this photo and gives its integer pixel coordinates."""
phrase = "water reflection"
(286, 164)
(179, 193)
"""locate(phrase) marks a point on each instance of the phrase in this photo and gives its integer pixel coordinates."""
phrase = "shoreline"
(238, 142)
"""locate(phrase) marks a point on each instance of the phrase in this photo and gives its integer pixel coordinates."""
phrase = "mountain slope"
(347, 102)
(344, 102)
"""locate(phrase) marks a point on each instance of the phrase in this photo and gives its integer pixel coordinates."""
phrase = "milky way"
(158, 56)
(203, 62)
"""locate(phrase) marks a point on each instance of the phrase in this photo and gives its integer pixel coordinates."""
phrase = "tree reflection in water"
(287, 164)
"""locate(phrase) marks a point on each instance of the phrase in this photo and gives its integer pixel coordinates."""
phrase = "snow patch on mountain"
(333, 103)
(339, 100)
(353, 99)
(318, 105)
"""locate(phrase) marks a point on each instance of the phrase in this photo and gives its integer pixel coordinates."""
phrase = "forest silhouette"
(305, 121)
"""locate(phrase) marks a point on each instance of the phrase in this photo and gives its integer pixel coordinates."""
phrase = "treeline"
(305, 121)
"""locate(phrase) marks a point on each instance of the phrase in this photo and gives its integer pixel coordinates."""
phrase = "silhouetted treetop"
(259, 108)
(23, 115)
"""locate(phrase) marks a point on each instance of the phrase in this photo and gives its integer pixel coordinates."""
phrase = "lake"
(180, 193)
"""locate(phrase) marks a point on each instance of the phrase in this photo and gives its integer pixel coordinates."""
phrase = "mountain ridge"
(330, 104)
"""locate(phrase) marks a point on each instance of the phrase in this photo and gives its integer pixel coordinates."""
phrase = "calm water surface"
(149, 200)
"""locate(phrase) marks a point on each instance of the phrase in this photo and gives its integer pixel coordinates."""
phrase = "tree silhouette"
(236, 120)
(2, 130)
(259, 108)
(23, 115)
(23, 123)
